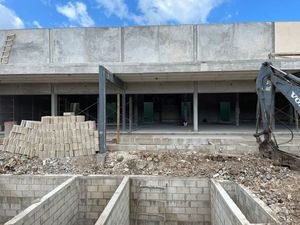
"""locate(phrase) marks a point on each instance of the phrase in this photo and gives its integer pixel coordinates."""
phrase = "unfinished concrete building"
(167, 85)
(176, 78)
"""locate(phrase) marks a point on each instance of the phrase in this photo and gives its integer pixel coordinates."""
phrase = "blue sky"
(86, 13)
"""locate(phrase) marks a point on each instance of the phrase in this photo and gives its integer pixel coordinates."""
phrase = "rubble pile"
(54, 136)
(278, 187)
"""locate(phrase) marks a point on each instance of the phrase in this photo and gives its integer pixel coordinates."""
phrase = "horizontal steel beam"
(110, 77)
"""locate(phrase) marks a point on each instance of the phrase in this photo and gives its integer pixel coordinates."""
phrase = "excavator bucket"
(279, 157)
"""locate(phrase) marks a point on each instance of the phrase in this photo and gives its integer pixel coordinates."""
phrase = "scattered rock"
(120, 158)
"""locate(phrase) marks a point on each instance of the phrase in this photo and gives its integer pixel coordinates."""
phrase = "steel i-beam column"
(102, 111)
(195, 106)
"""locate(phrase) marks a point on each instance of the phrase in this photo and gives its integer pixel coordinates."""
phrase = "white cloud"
(9, 19)
(37, 24)
(162, 11)
(116, 7)
(76, 13)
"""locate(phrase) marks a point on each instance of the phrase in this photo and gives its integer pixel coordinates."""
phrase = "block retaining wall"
(19, 192)
(117, 210)
(225, 211)
(59, 206)
(172, 201)
(143, 200)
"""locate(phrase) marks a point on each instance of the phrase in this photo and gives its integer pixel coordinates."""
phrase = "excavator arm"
(268, 80)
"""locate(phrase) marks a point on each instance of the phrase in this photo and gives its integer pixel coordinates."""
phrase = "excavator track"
(279, 157)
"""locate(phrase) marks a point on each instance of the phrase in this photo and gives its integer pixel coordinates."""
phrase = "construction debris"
(277, 186)
(57, 136)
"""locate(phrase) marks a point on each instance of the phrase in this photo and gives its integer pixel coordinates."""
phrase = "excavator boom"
(268, 80)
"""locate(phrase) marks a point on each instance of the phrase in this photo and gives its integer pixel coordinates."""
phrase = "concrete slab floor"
(97, 199)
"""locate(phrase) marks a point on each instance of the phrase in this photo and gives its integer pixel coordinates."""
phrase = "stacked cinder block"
(54, 136)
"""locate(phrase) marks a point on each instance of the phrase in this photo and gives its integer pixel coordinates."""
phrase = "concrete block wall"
(252, 207)
(205, 144)
(231, 204)
(174, 201)
(18, 192)
(60, 206)
(117, 210)
(94, 194)
(143, 200)
(223, 209)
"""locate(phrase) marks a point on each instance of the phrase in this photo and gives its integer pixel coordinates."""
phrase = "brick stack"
(54, 136)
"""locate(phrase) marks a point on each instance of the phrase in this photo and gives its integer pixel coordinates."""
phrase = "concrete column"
(123, 111)
(195, 105)
(237, 109)
(136, 110)
(32, 107)
(118, 118)
(130, 114)
(53, 102)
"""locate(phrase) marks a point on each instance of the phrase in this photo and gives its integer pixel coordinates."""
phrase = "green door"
(148, 112)
(186, 111)
(111, 112)
(225, 111)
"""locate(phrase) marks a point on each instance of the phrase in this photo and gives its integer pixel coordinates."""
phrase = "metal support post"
(195, 104)
(102, 111)
(130, 114)
(118, 118)
(291, 114)
(53, 102)
(237, 109)
(123, 111)
(273, 111)
(296, 119)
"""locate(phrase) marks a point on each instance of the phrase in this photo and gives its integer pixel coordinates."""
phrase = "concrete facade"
(217, 58)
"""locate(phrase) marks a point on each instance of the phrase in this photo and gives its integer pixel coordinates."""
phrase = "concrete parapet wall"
(146, 44)
(18, 192)
(173, 201)
(117, 210)
(59, 206)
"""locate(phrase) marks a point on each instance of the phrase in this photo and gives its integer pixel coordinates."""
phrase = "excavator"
(269, 80)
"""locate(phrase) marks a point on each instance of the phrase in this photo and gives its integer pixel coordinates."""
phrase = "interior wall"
(23, 107)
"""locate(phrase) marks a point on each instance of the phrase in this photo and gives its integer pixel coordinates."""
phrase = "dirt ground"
(278, 187)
